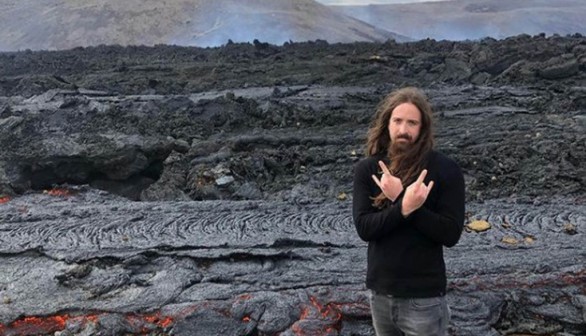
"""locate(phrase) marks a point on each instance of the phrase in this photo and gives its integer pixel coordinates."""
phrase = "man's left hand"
(415, 195)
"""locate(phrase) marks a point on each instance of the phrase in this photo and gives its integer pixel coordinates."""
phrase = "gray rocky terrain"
(473, 19)
(64, 24)
(186, 191)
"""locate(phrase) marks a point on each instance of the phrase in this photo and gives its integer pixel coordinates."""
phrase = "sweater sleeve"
(445, 224)
(372, 223)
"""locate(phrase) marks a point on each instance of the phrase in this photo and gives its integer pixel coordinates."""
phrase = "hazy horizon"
(370, 2)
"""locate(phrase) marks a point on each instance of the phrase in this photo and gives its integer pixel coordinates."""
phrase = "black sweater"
(405, 255)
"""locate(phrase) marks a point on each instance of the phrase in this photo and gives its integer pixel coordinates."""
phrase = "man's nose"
(403, 128)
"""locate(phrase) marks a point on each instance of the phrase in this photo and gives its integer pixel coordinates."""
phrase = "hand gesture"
(415, 195)
(390, 185)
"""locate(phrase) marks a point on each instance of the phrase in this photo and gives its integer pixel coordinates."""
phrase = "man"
(408, 203)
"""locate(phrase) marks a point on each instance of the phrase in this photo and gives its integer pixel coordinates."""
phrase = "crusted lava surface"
(181, 191)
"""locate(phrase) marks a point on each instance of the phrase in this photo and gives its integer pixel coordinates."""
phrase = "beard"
(401, 147)
(408, 157)
(404, 156)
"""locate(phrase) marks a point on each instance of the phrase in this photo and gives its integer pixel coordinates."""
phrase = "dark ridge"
(295, 243)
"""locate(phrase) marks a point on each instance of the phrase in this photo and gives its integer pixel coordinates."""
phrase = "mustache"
(404, 136)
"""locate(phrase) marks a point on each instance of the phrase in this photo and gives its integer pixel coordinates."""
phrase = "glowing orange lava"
(57, 192)
(35, 325)
(244, 297)
(330, 314)
(160, 321)
(48, 325)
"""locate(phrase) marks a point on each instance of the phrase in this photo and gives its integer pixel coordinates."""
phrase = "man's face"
(404, 125)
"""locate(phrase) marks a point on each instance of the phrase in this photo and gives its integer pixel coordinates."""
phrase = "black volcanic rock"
(560, 67)
(107, 265)
(256, 142)
(47, 147)
(243, 157)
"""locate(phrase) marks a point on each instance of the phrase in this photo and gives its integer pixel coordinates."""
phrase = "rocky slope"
(60, 24)
(472, 19)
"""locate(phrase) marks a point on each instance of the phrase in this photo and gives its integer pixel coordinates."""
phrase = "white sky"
(368, 2)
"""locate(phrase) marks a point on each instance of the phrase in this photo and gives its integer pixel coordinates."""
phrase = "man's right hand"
(390, 185)
(415, 195)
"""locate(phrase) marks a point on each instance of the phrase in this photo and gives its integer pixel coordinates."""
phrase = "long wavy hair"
(409, 163)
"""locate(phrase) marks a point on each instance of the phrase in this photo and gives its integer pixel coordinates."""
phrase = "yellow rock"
(342, 196)
(510, 240)
(529, 240)
(478, 225)
(570, 228)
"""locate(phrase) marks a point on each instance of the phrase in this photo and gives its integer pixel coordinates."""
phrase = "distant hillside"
(474, 19)
(62, 24)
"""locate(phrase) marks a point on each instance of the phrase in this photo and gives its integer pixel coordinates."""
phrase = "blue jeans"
(409, 317)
